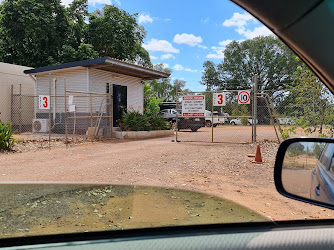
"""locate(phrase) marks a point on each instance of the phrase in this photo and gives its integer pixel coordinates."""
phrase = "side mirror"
(304, 170)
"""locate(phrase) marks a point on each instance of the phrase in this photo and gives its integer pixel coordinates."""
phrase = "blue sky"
(184, 34)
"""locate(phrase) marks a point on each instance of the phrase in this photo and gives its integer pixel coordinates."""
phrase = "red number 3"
(220, 101)
(45, 104)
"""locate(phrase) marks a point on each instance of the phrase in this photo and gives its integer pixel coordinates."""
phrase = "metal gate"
(229, 116)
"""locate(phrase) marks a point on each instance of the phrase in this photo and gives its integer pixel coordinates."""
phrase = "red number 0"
(220, 101)
(45, 104)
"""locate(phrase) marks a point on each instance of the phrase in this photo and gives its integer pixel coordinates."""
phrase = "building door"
(120, 102)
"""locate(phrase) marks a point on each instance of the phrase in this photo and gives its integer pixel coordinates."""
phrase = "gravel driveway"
(216, 168)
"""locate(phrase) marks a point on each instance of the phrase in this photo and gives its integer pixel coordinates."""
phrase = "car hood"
(39, 209)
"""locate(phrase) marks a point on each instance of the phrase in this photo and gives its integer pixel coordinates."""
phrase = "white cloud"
(218, 51)
(145, 19)
(205, 20)
(257, 31)
(191, 70)
(160, 45)
(179, 67)
(167, 56)
(93, 2)
(153, 57)
(66, 2)
(238, 20)
(202, 46)
(225, 42)
(188, 39)
(241, 21)
(165, 65)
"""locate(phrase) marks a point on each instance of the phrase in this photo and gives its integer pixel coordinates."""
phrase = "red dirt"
(219, 169)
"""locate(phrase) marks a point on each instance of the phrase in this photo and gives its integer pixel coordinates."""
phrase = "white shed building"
(13, 84)
(102, 75)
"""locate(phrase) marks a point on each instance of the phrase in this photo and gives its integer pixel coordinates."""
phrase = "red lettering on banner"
(193, 114)
(193, 97)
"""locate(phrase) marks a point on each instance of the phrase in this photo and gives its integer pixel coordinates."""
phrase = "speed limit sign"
(244, 97)
(44, 102)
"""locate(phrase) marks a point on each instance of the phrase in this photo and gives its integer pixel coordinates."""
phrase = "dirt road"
(219, 169)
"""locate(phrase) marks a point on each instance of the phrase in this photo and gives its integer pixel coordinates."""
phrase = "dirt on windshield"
(218, 169)
(83, 208)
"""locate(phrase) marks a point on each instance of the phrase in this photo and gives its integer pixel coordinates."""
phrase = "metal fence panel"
(229, 123)
(69, 115)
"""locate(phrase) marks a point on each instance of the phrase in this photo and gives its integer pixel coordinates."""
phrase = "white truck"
(216, 119)
(169, 114)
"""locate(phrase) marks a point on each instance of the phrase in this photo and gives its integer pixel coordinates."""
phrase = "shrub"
(241, 110)
(157, 122)
(244, 121)
(6, 136)
(134, 121)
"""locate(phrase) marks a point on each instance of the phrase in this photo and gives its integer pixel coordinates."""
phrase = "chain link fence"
(275, 116)
(229, 122)
(58, 115)
(84, 116)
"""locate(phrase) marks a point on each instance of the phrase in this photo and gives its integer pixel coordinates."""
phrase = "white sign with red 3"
(44, 102)
(244, 97)
(219, 99)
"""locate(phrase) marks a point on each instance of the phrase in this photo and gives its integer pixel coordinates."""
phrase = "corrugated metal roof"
(107, 64)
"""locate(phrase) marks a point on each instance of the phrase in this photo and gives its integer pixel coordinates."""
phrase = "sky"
(184, 34)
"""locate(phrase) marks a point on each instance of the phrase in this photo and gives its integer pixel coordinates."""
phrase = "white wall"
(76, 80)
(135, 96)
(11, 74)
(89, 80)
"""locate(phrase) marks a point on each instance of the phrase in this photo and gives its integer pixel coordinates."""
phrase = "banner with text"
(193, 106)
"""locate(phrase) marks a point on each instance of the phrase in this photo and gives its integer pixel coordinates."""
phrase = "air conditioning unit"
(40, 126)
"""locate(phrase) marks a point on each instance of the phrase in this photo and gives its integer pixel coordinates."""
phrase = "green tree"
(70, 54)
(39, 33)
(317, 148)
(114, 32)
(32, 32)
(151, 102)
(161, 87)
(311, 102)
(241, 110)
(177, 86)
(77, 13)
(296, 149)
(211, 76)
(265, 56)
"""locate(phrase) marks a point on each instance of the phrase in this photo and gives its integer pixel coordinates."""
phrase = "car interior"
(305, 26)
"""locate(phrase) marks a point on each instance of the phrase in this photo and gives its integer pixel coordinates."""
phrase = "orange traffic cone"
(258, 157)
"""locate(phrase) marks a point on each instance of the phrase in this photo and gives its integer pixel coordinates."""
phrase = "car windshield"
(128, 114)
